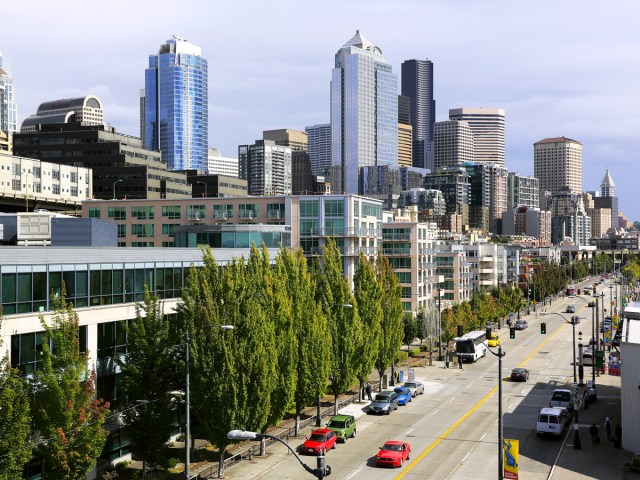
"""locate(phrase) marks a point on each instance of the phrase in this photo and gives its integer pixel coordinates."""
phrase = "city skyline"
(552, 77)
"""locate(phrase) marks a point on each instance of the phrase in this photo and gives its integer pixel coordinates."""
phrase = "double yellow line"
(461, 420)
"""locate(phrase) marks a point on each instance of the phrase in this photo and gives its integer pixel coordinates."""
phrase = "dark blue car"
(404, 395)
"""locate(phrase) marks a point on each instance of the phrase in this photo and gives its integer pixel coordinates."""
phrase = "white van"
(552, 421)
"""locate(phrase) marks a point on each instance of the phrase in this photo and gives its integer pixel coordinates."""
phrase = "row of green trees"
(52, 414)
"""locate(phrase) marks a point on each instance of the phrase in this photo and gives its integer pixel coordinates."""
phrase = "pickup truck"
(562, 398)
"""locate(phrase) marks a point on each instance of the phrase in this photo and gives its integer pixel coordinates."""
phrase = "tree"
(344, 322)
(66, 412)
(391, 331)
(410, 327)
(423, 325)
(367, 292)
(310, 330)
(150, 372)
(15, 421)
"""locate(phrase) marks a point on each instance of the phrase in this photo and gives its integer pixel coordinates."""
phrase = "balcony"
(247, 215)
(275, 215)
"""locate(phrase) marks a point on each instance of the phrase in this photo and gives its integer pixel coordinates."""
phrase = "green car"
(344, 426)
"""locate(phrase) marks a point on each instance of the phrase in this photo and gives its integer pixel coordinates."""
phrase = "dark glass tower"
(176, 105)
(417, 84)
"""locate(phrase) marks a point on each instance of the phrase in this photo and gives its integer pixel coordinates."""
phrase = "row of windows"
(175, 212)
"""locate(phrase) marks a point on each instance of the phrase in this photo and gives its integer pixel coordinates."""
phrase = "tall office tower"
(319, 145)
(522, 191)
(600, 217)
(143, 107)
(266, 166)
(364, 111)
(487, 125)
(452, 144)
(557, 163)
(528, 221)
(287, 137)
(8, 106)
(405, 132)
(301, 176)
(569, 217)
(85, 111)
(417, 84)
(608, 198)
(176, 105)
(454, 183)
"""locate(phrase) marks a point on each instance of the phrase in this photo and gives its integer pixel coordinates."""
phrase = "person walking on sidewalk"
(594, 433)
(607, 427)
(368, 390)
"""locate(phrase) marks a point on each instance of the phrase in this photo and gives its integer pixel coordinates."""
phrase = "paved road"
(453, 427)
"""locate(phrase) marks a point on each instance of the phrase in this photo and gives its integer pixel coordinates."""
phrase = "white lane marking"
(354, 473)
(407, 434)
(524, 390)
(452, 399)
(465, 457)
(435, 412)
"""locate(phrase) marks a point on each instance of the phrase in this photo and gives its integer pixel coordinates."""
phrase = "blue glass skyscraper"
(8, 107)
(176, 109)
(364, 111)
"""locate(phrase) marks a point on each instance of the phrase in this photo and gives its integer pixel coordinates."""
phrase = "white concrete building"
(487, 125)
(219, 165)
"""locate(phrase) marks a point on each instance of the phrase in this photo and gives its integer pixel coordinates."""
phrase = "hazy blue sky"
(557, 67)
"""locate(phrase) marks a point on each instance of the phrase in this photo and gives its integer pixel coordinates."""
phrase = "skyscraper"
(487, 125)
(417, 84)
(176, 105)
(452, 144)
(607, 198)
(266, 167)
(364, 111)
(319, 144)
(405, 132)
(8, 106)
(557, 163)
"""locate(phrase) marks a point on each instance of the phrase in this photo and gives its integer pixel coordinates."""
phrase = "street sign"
(412, 374)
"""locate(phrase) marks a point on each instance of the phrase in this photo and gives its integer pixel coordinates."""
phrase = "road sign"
(412, 374)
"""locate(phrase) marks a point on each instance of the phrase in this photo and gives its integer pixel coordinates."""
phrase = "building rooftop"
(359, 41)
(557, 140)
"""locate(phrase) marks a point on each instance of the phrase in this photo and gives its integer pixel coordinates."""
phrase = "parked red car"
(320, 440)
(393, 454)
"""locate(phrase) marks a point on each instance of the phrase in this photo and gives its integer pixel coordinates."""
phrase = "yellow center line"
(450, 430)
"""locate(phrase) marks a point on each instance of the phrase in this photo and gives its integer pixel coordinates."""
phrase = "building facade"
(82, 110)
(557, 163)
(608, 198)
(319, 145)
(417, 84)
(8, 104)
(405, 132)
(452, 144)
(522, 191)
(266, 167)
(219, 165)
(487, 125)
(364, 111)
(177, 105)
(530, 222)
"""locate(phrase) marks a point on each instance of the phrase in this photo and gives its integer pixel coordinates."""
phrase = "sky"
(558, 68)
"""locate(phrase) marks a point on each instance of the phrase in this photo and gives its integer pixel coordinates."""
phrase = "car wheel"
(334, 444)
(353, 435)
(409, 456)
(388, 412)
(401, 462)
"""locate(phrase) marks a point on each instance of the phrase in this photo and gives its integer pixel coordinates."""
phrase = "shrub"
(401, 356)
(424, 348)
(414, 352)
(172, 462)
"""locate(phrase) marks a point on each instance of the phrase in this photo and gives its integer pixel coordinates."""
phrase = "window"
(16, 184)
(222, 212)
(55, 174)
(117, 213)
(74, 177)
(37, 172)
(142, 230)
(334, 208)
(308, 208)
(172, 212)
(196, 212)
(248, 211)
(55, 189)
(168, 228)
(74, 191)
(143, 213)
(94, 212)
(122, 230)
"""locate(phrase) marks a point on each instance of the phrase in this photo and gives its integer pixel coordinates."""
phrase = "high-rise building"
(487, 125)
(531, 222)
(319, 145)
(405, 132)
(608, 198)
(287, 137)
(569, 218)
(452, 144)
(266, 166)
(364, 111)
(417, 84)
(219, 165)
(84, 111)
(8, 106)
(176, 105)
(522, 191)
(301, 176)
(600, 217)
(557, 163)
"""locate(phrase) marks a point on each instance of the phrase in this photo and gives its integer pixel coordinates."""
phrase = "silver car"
(416, 387)
(384, 403)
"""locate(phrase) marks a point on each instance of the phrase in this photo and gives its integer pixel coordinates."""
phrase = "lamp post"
(206, 193)
(574, 320)
(187, 433)
(440, 291)
(114, 187)
(593, 305)
(320, 472)
(500, 354)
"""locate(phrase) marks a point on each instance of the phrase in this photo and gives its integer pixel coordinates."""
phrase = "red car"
(393, 454)
(320, 440)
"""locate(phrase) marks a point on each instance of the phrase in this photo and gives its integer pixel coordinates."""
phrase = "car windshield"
(317, 437)
(561, 396)
(410, 385)
(337, 423)
(400, 391)
(518, 370)
(382, 398)
(392, 446)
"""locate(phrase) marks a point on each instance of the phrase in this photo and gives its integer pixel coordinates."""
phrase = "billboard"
(510, 455)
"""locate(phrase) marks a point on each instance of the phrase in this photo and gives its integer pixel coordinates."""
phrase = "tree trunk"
(335, 403)
(144, 468)
(296, 425)
(221, 462)
(263, 446)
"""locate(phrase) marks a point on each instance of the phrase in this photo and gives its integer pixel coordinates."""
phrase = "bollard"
(576, 438)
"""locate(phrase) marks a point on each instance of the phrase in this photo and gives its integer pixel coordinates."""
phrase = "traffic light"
(460, 333)
(488, 331)
(543, 328)
(512, 332)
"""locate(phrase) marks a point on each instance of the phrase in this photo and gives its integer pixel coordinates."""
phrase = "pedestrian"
(607, 427)
(594, 433)
(368, 390)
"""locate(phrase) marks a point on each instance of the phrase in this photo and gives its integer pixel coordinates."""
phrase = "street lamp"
(206, 194)
(187, 436)
(593, 342)
(500, 354)
(114, 187)
(440, 292)
(574, 319)
(320, 472)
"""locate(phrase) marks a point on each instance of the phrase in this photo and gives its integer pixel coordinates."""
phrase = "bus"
(571, 290)
(471, 346)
